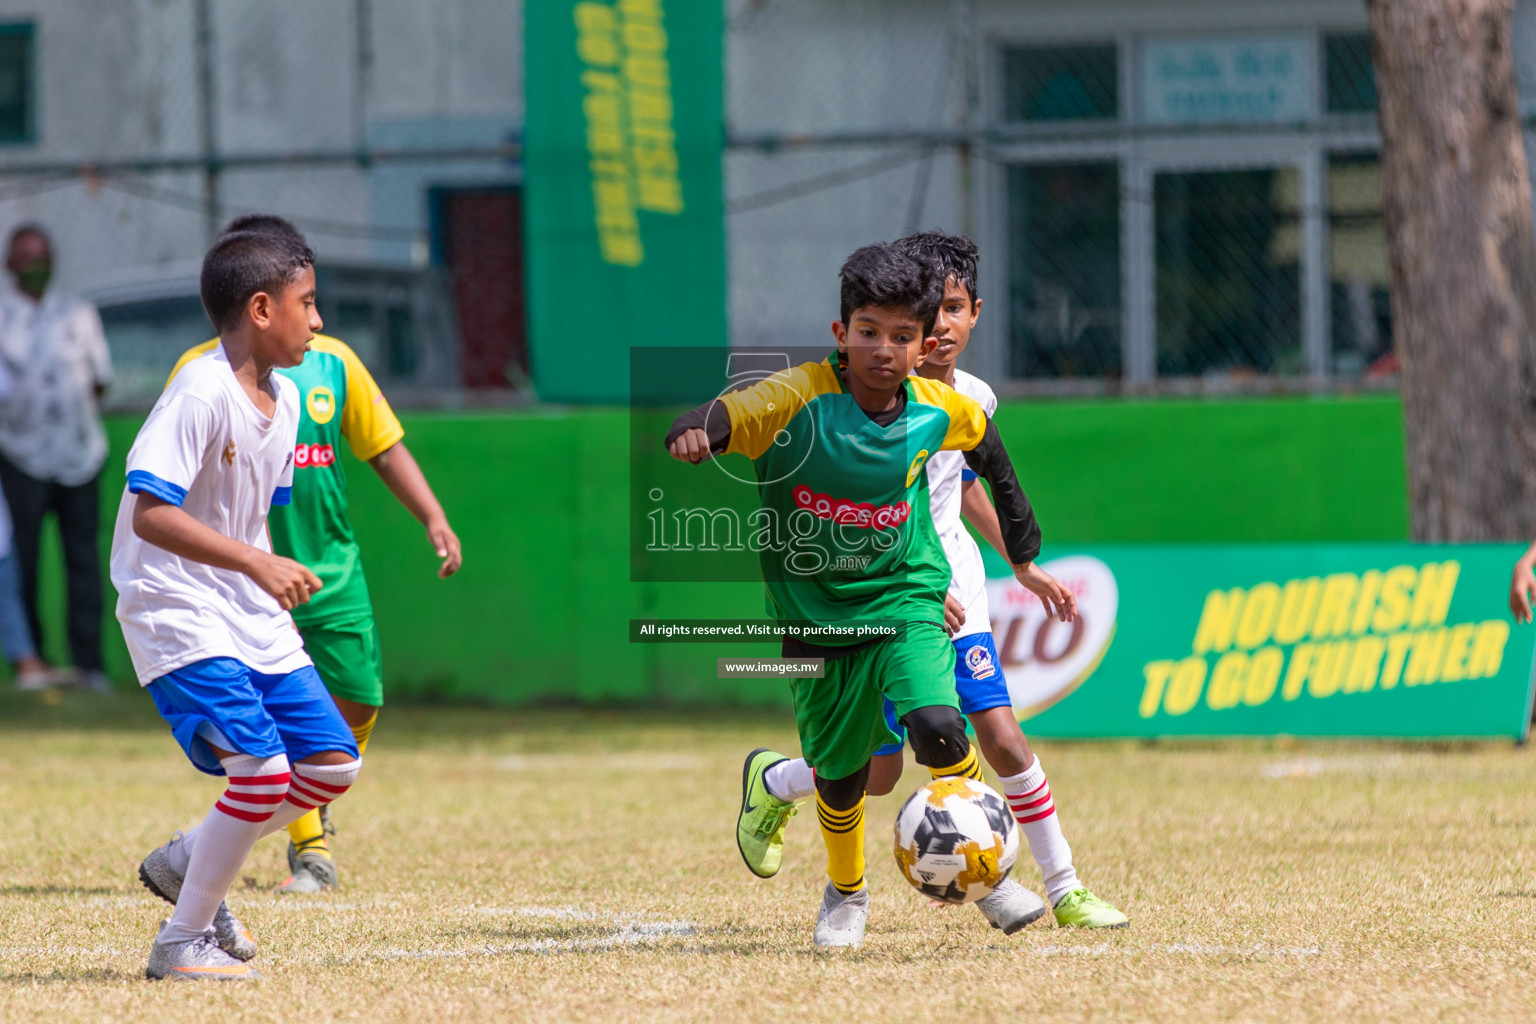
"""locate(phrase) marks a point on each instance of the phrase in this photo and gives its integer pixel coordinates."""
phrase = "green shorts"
(841, 717)
(348, 661)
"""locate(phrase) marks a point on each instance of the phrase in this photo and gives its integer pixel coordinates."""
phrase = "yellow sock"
(843, 832)
(362, 732)
(970, 767)
(308, 835)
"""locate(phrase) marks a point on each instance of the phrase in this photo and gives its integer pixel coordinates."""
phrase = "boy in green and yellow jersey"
(340, 402)
(839, 449)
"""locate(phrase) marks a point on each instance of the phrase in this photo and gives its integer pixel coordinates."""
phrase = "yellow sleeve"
(196, 351)
(967, 417)
(367, 421)
(759, 412)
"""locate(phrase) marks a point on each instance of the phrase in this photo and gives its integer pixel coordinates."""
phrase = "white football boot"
(198, 959)
(164, 881)
(842, 918)
(1011, 907)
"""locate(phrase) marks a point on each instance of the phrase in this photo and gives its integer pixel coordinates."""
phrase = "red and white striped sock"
(216, 848)
(312, 785)
(1029, 797)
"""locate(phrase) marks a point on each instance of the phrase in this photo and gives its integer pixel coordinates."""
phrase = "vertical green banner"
(624, 226)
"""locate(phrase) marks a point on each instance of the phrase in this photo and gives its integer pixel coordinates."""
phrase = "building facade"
(1182, 195)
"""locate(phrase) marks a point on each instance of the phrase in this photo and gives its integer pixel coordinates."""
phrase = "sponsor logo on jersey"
(853, 513)
(917, 465)
(314, 455)
(979, 661)
(229, 453)
(321, 404)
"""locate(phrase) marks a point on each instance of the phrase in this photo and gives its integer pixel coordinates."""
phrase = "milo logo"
(1044, 659)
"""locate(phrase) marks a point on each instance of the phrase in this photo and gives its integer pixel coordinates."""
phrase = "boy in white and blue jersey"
(772, 784)
(203, 601)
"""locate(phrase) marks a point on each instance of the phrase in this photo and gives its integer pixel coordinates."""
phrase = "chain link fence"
(1159, 208)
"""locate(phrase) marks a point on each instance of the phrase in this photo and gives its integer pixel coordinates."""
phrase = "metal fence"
(1160, 206)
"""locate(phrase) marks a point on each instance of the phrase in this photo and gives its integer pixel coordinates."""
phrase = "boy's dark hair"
(242, 263)
(266, 223)
(29, 228)
(949, 256)
(882, 275)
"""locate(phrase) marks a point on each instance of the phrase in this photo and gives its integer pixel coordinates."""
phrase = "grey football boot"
(308, 873)
(842, 918)
(160, 878)
(1011, 907)
(198, 959)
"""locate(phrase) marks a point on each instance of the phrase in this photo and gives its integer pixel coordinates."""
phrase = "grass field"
(566, 866)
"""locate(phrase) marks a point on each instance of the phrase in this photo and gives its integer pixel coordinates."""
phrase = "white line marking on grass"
(1310, 767)
(62, 951)
(310, 905)
(1178, 948)
(637, 934)
(558, 913)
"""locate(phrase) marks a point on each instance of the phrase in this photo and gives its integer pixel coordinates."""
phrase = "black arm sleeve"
(716, 422)
(1021, 534)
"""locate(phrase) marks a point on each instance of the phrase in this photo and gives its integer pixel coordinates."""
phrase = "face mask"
(34, 279)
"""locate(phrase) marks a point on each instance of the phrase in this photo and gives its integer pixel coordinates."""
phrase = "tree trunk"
(1456, 201)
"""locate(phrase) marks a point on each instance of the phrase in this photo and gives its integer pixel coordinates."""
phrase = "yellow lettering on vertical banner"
(631, 141)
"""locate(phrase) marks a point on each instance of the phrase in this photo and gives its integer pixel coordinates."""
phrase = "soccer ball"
(956, 840)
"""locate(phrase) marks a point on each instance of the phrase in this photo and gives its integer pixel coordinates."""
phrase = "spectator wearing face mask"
(52, 445)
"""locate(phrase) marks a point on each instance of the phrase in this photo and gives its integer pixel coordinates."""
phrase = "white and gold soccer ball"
(956, 840)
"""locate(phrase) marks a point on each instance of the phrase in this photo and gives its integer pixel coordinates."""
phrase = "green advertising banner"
(1401, 640)
(624, 221)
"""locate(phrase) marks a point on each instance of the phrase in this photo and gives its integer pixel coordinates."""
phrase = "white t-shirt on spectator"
(56, 353)
(206, 448)
(968, 574)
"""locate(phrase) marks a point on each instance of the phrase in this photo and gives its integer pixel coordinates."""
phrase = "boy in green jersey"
(839, 448)
(339, 401)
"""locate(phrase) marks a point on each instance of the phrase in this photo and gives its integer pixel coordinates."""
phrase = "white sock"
(256, 787)
(1029, 797)
(313, 785)
(791, 780)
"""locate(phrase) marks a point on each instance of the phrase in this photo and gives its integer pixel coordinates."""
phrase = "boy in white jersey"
(204, 602)
(772, 783)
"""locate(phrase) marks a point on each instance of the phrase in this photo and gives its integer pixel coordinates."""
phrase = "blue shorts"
(224, 700)
(979, 683)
